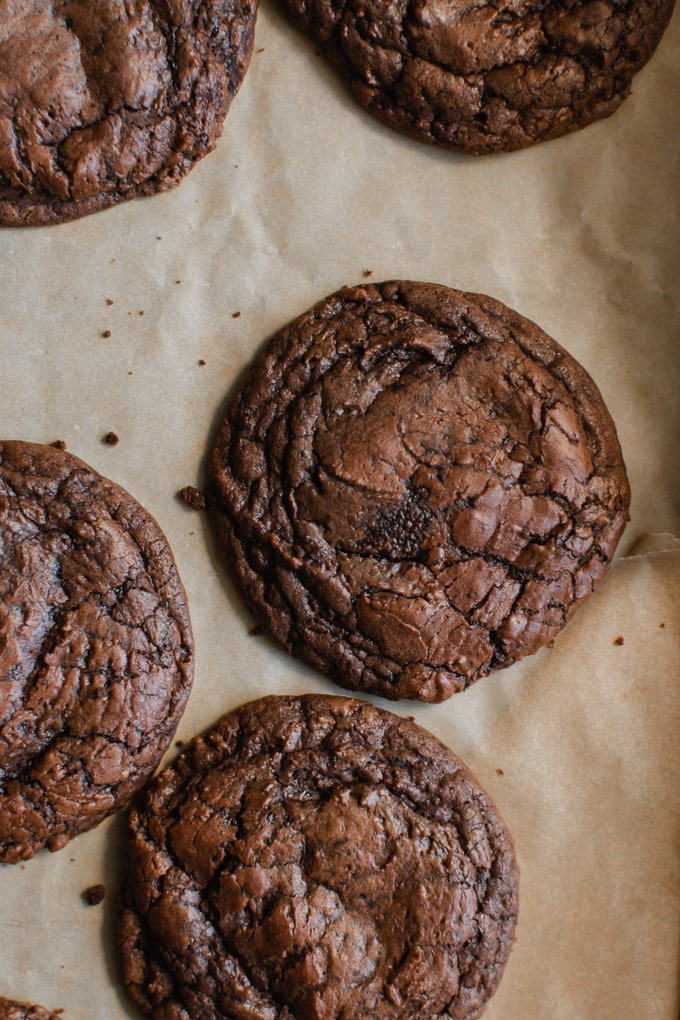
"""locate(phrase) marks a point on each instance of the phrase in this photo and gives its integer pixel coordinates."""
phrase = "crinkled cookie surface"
(103, 101)
(12, 1010)
(416, 486)
(487, 75)
(315, 858)
(96, 649)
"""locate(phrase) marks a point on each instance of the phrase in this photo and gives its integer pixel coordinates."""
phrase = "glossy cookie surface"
(100, 102)
(316, 857)
(96, 649)
(415, 486)
(487, 76)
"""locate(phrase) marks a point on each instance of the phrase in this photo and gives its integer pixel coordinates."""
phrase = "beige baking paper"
(305, 192)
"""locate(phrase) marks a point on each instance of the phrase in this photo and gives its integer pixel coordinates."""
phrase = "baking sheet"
(578, 745)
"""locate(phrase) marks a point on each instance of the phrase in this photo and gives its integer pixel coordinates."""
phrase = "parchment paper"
(579, 744)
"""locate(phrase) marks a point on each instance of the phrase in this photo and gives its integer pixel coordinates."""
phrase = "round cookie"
(11, 1010)
(100, 102)
(415, 486)
(316, 857)
(486, 76)
(96, 650)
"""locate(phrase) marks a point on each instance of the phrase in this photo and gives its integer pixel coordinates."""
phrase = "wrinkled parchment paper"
(579, 745)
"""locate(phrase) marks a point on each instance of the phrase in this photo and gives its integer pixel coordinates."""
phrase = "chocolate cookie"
(416, 486)
(487, 76)
(103, 101)
(95, 648)
(317, 857)
(11, 1010)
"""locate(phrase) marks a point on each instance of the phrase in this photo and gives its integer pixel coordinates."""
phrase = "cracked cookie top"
(487, 75)
(103, 101)
(316, 858)
(416, 486)
(12, 1010)
(96, 650)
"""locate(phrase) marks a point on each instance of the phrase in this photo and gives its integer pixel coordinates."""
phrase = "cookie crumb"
(159, 238)
(551, 643)
(662, 625)
(179, 743)
(111, 439)
(201, 361)
(109, 301)
(500, 772)
(95, 894)
(368, 272)
(236, 315)
(255, 631)
(178, 281)
(140, 313)
(106, 334)
(59, 444)
(618, 640)
(193, 497)
(260, 50)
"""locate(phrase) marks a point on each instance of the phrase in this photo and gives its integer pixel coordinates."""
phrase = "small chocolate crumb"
(201, 361)
(141, 313)
(255, 631)
(235, 315)
(130, 373)
(109, 301)
(500, 772)
(95, 894)
(111, 439)
(368, 272)
(178, 281)
(179, 743)
(106, 334)
(618, 640)
(193, 497)
(260, 50)
(159, 238)
(59, 444)
(662, 625)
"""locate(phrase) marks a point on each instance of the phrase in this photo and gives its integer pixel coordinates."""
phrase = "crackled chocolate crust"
(11, 1010)
(100, 102)
(96, 650)
(486, 76)
(416, 486)
(316, 858)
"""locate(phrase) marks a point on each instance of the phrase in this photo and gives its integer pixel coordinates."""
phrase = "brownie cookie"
(11, 1010)
(96, 651)
(103, 101)
(317, 858)
(416, 486)
(487, 76)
